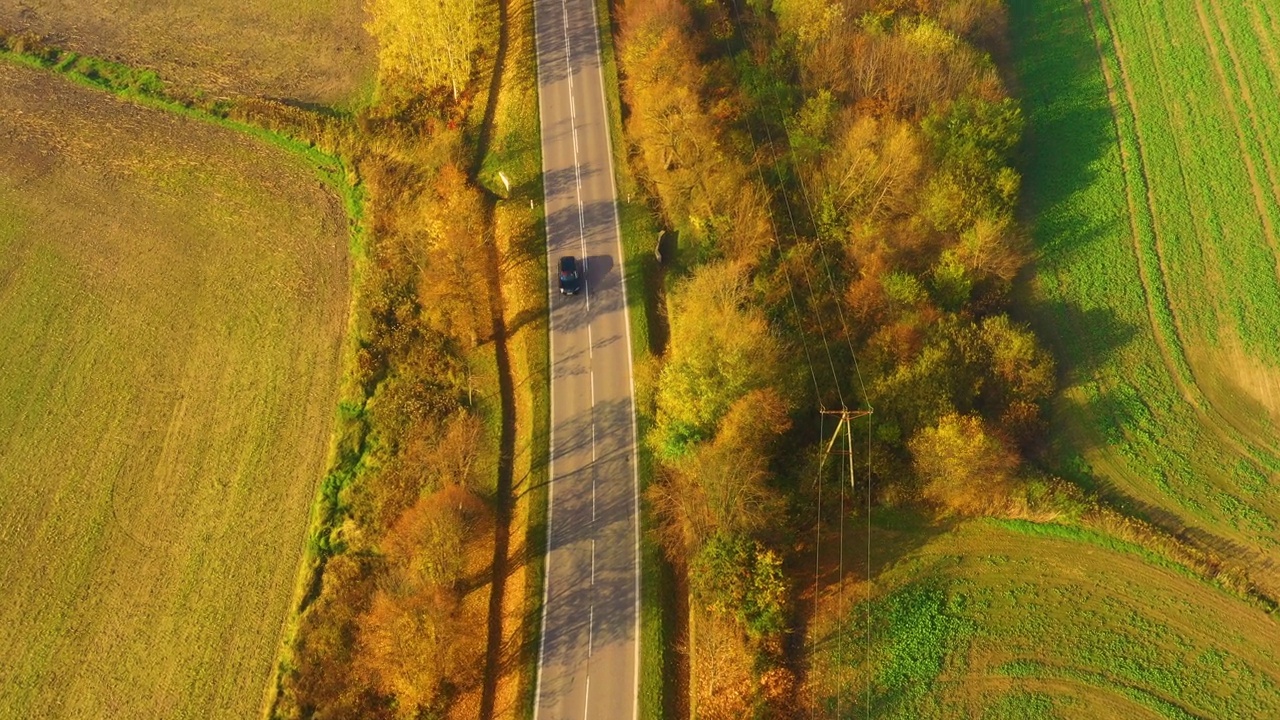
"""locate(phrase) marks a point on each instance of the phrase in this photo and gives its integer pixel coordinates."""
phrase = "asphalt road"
(588, 660)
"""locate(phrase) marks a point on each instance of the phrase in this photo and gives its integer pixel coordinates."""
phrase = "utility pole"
(845, 424)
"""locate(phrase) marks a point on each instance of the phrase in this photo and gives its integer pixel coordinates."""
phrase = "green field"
(1156, 198)
(1153, 192)
(173, 298)
(1008, 619)
(311, 52)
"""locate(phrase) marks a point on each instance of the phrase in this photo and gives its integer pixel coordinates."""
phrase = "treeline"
(388, 634)
(839, 174)
(391, 627)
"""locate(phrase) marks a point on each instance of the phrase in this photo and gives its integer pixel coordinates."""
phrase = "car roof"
(568, 263)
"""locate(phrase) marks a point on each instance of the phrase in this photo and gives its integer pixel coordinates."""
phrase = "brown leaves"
(416, 641)
(418, 646)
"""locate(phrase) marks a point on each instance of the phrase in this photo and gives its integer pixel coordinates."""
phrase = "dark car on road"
(570, 280)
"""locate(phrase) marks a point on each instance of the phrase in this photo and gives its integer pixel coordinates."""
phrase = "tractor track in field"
(1126, 164)
(1258, 436)
(1237, 126)
(1211, 419)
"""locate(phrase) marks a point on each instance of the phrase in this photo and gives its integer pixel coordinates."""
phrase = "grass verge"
(514, 151)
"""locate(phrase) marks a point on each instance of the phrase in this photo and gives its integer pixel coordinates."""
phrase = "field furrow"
(1244, 142)
(1011, 619)
(1159, 272)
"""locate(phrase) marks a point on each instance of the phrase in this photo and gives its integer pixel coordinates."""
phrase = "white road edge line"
(551, 353)
(631, 376)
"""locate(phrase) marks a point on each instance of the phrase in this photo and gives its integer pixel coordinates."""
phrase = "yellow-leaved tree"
(963, 466)
(425, 43)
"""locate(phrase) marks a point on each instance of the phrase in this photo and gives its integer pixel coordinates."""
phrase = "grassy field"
(1154, 198)
(311, 52)
(173, 297)
(1009, 619)
(1156, 209)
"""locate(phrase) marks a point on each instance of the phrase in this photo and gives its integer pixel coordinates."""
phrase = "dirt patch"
(310, 52)
(1246, 379)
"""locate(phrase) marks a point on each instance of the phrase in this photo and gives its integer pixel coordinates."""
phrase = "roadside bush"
(741, 578)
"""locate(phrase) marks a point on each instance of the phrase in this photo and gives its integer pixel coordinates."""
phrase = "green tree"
(722, 486)
(973, 141)
(721, 349)
(742, 579)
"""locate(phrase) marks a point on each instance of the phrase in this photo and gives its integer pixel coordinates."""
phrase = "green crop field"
(1152, 176)
(315, 51)
(173, 302)
(1153, 192)
(1010, 619)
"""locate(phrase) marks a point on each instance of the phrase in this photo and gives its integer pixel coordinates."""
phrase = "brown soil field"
(173, 299)
(308, 52)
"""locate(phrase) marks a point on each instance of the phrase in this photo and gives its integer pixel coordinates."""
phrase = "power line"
(782, 261)
(870, 630)
(755, 150)
(846, 417)
(846, 424)
(817, 562)
(795, 233)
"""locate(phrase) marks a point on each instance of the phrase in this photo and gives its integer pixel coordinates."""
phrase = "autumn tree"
(972, 141)
(416, 641)
(742, 579)
(721, 349)
(1021, 375)
(722, 486)
(425, 43)
(871, 171)
(447, 239)
(419, 647)
(320, 677)
(963, 466)
(703, 189)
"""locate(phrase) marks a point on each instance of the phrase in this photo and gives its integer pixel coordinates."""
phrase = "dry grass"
(173, 297)
(312, 52)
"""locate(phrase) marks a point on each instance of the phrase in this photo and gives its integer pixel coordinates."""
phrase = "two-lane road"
(588, 660)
